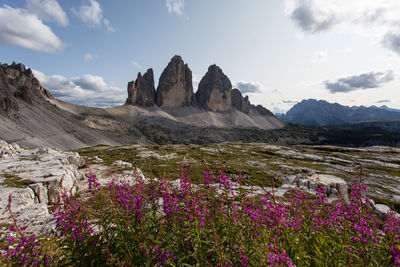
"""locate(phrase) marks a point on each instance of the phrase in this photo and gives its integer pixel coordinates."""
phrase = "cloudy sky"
(276, 51)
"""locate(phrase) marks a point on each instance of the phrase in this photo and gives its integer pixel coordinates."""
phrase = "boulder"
(215, 90)
(142, 91)
(175, 87)
(383, 210)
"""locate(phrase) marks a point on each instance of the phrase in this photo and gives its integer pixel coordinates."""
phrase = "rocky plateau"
(31, 180)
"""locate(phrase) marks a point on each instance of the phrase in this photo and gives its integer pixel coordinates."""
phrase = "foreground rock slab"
(31, 180)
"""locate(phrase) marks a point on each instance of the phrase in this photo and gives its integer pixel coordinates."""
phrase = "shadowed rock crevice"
(239, 102)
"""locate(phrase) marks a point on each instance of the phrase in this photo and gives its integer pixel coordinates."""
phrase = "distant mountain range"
(386, 108)
(314, 112)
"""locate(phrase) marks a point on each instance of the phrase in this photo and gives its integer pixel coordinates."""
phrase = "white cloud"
(87, 90)
(175, 6)
(376, 19)
(136, 65)
(92, 14)
(319, 57)
(108, 25)
(88, 57)
(48, 10)
(246, 87)
(20, 27)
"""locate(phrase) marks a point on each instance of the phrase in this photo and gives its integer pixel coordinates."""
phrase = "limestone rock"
(40, 192)
(65, 184)
(75, 159)
(215, 90)
(98, 160)
(142, 91)
(49, 173)
(382, 211)
(334, 187)
(8, 150)
(239, 102)
(175, 87)
(122, 164)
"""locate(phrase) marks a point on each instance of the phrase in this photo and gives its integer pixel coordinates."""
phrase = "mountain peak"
(142, 92)
(175, 88)
(215, 90)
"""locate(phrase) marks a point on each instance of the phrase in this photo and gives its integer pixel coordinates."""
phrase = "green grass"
(234, 158)
(12, 180)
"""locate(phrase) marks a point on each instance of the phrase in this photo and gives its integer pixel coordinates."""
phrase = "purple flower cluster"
(278, 258)
(156, 223)
(71, 219)
(24, 250)
(94, 184)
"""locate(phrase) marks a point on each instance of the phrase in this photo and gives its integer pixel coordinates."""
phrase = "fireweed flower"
(94, 184)
(71, 219)
(24, 250)
(204, 225)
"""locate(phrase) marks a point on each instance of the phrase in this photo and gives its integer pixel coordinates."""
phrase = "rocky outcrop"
(239, 102)
(142, 91)
(215, 90)
(34, 179)
(175, 87)
(262, 110)
(8, 106)
(17, 82)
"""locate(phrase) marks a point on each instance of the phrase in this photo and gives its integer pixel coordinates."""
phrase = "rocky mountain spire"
(239, 102)
(142, 91)
(215, 90)
(175, 87)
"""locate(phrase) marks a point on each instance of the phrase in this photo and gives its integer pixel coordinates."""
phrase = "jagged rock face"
(175, 87)
(239, 102)
(17, 82)
(215, 90)
(262, 110)
(142, 91)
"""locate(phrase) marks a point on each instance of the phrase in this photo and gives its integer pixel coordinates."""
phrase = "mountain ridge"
(314, 112)
(31, 116)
